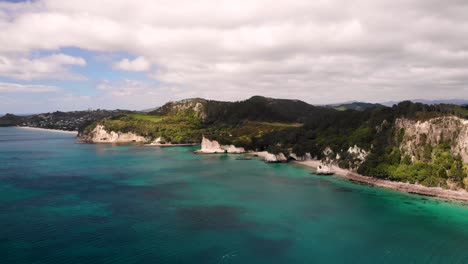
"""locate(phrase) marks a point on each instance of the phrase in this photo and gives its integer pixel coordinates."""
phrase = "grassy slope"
(186, 128)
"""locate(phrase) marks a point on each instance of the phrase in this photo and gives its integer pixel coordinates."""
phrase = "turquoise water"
(62, 202)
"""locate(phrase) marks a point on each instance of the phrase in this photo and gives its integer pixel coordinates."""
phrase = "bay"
(63, 202)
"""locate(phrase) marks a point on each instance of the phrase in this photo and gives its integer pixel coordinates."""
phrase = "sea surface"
(62, 202)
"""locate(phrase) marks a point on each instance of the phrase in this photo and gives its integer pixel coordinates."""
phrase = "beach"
(170, 145)
(47, 129)
(399, 186)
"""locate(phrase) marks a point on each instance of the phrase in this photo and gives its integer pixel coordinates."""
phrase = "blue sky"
(80, 54)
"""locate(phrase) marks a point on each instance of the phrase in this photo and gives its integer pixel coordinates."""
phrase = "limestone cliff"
(306, 156)
(413, 135)
(100, 135)
(272, 158)
(351, 158)
(213, 146)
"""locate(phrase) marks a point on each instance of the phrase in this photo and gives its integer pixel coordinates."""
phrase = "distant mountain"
(431, 102)
(358, 106)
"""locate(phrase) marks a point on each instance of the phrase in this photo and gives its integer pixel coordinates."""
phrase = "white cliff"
(100, 135)
(324, 169)
(270, 157)
(294, 156)
(415, 134)
(213, 146)
(356, 156)
(358, 152)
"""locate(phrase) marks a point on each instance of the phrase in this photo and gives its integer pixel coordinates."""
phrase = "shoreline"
(435, 192)
(171, 145)
(48, 129)
(411, 188)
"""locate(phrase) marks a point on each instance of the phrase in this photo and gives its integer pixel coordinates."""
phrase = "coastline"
(393, 185)
(48, 129)
(436, 192)
(171, 145)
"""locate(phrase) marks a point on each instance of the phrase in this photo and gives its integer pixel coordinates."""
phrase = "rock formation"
(415, 134)
(324, 169)
(272, 158)
(100, 135)
(213, 146)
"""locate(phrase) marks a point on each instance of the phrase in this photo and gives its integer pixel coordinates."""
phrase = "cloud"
(318, 51)
(15, 87)
(139, 64)
(126, 88)
(48, 67)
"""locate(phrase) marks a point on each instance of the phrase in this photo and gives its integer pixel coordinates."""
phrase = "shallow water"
(62, 202)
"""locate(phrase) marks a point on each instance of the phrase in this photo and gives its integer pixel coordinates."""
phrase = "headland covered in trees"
(411, 143)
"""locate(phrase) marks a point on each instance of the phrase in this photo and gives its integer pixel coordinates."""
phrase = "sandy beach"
(50, 130)
(399, 186)
(170, 145)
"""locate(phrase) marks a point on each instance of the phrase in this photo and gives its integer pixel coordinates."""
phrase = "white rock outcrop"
(100, 135)
(233, 149)
(324, 169)
(306, 156)
(358, 153)
(270, 157)
(213, 146)
(433, 131)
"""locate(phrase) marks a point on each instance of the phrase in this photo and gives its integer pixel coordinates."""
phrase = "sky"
(138, 54)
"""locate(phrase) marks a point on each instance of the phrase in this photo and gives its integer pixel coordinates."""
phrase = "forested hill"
(70, 121)
(256, 108)
(410, 142)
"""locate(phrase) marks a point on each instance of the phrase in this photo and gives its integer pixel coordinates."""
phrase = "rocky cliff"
(213, 146)
(100, 135)
(351, 158)
(194, 106)
(413, 135)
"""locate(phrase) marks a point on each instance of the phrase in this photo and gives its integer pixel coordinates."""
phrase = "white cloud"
(319, 51)
(15, 87)
(139, 64)
(125, 88)
(47, 67)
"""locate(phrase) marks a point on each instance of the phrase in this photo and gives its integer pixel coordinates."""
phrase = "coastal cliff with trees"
(408, 142)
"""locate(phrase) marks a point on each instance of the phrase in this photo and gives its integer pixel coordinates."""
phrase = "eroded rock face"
(270, 157)
(415, 134)
(325, 169)
(280, 157)
(358, 154)
(100, 135)
(306, 156)
(213, 146)
(196, 105)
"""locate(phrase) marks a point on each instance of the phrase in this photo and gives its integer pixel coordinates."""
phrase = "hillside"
(187, 120)
(409, 142)
(358, 106)
(71, 121)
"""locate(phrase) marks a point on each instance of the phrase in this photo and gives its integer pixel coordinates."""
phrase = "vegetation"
(279, 125)
(75, 120)
(294, 126)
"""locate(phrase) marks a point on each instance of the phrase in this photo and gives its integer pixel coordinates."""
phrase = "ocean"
(63, 202)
